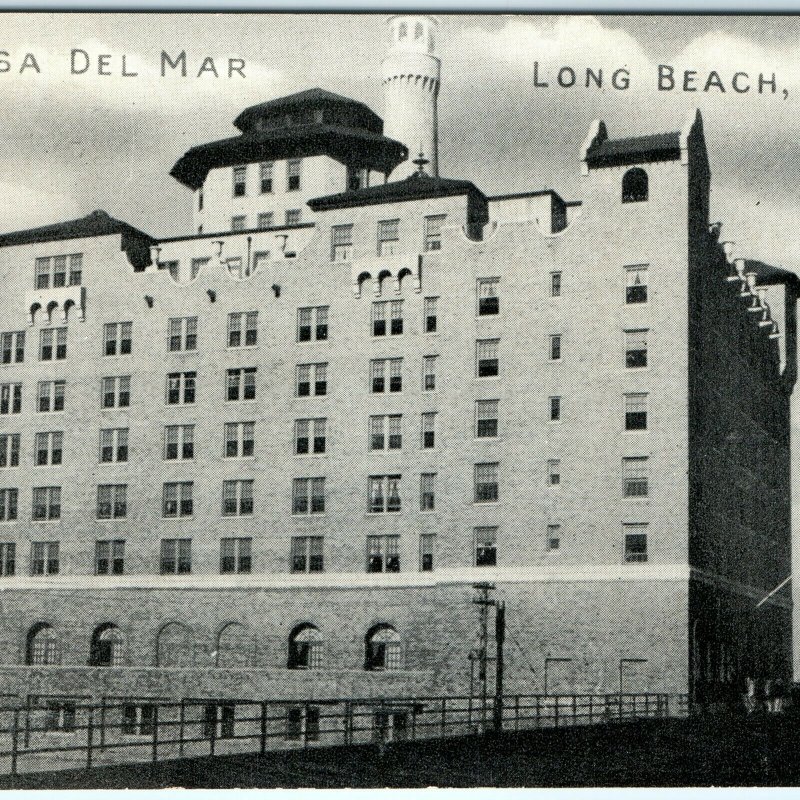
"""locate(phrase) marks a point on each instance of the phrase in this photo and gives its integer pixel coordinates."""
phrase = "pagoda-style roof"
(414, 187)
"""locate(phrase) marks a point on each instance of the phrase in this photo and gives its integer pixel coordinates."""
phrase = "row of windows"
(306, 553)
(266, 179)
(266, 219)
(308, 494)
(305, 647)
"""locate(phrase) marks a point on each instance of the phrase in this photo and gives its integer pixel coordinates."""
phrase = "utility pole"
(484, 601)
(499, 636)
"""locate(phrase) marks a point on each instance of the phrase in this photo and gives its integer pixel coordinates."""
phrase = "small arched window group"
(382, 648)
(42, 646)
(305, 648)
(634, 186)
(106, 647)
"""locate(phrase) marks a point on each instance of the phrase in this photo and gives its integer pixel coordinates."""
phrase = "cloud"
(26, 207)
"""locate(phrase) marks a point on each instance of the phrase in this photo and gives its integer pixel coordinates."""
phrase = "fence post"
(591, 709)
(538, 713)
(413, 719)
(213, 742)
(155, 733)
(181, 726)
(305, 726)
(444, 717)
(263, 727)
(89, 737)
(14, 741)
(574, 710)
(28, 722)
(557, 709)
(516, 712)
(102, 724)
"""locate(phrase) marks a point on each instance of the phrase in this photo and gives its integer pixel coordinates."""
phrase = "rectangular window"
(178, 442)
(53, 344)
(265, 220)
(61, 274)
(197, 264)
(487, 360)
(138, 720)
(12, 347)
(635, 349)
(240, 439)
(9, 449)
(177, 500)
(554, 472)
(378, 369)
(117, 338)
(428, 430)
(46, 503)
(49, 449)
(555, 409)
(44, 558)
(306, 554)
(636, 283)
(109, 557)
(309, 436)
(387, 311)
(488, 298)
(243, 329)
(308, 496)
(553, 537)
(485, 547)
(239, 181)
(113, 445)
(433, 233)
(427, 491)
(238, 223)
(241, 384)
(388, 237)
(486, 416)
(429, 373)
(116, 392)
(635, 412)
(635, 477)
(555, 284)
(237, 498)
(427, 543)
(8, 559)
(635, 543)
(383, 493)
(10, 398)
(8, 504)
(293, 167)
(265, 171)
(182, 334)
(312, 379)
(181, 387)
(42, 273)
(112, 501)
(430, 320)
(293, 216)
(235, 555)
(312, 324)
(176, 556)
(380, 426)
(341, 242)
(486, 483)
(50, 396)
(555, 347)
(383, 554)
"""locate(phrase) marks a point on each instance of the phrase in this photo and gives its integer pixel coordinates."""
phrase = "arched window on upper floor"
(106, 647)
(402, 30)
(634, 186)
(382, 648)
(42, 646)
(418, 31)
(305, 648)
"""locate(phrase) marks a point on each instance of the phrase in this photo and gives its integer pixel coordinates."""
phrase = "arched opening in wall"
(175, 646)
(68, 306)
(362, 279)
(634, 186)
(106, 646)
(404, 273)
(42, 645)
(305, 647)
(51, 307)
(234, 647)
(383, 276)
(382, 648)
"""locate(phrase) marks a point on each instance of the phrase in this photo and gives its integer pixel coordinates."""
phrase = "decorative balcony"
(46, 302)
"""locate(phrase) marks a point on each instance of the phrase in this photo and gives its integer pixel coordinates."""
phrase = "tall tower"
(411, 73)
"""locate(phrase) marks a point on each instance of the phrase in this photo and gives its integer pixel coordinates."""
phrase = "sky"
(74, 143)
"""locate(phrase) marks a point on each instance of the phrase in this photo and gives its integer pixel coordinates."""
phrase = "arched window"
(382, 648)
(305, 648)
(175, 646)
(106, 647)
(402, 30)
(234, 646)
(418, 31)
(43, 646)
(634, 186)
